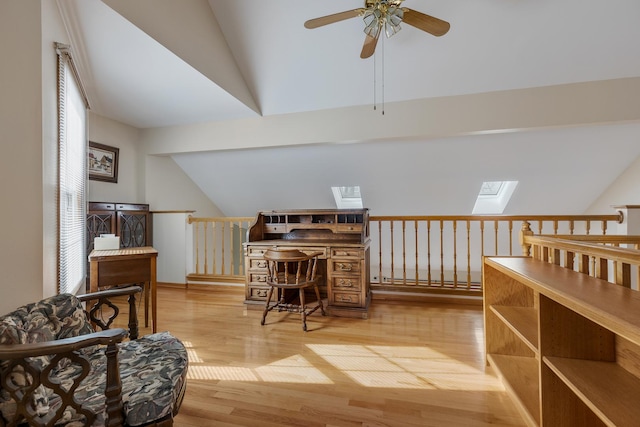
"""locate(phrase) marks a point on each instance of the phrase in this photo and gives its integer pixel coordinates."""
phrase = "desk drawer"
(257, 293)
(345, 266)
(349, 228)
(347, 283)
(346, 299)
(259, 278)
(257, 264)
(346, 253)
(256, 251)
(275, 228)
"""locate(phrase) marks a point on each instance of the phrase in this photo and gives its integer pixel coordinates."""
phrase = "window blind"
(72, 175)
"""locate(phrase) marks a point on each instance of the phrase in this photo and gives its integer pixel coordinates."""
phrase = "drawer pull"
(342, 253)
(346, 283)
(345, 299)
(262, 293)
(261, 264)
(261, 278)
(344, 267)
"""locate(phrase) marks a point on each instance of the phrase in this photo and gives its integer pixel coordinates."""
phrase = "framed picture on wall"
(102, 162)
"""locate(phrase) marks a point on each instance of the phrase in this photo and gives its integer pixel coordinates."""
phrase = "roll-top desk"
(341, 235)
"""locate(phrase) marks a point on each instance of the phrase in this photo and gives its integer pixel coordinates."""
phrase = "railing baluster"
(206, 248)
(510, 238)
(380, 280)
(197, 244)
(416, 237)
(404, 252)
(392, 257)
(481, 238)
(215, 248)
(429, 252)
(468, 254)
(441, 253)
(455, 254)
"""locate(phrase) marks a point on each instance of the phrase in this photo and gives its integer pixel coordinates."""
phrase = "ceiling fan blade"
(424, 22)
(369, 46)
(330, 19)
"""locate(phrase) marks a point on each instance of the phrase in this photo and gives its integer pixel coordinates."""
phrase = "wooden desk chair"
(292, 269)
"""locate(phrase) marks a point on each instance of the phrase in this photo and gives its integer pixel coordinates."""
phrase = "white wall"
(173, 238)
(625, 190)
(130, 185)
(168, 188)
(28, 119)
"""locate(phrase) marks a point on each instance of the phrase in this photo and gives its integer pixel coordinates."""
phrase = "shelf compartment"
(523, 321)
(520, 376)
(606, 388)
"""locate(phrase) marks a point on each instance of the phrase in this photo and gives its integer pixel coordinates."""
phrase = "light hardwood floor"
(407, 365)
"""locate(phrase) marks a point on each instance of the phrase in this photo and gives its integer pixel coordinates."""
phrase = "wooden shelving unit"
(566, 345)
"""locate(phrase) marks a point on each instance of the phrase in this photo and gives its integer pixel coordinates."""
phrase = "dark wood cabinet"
(133, 225)
(130, 221)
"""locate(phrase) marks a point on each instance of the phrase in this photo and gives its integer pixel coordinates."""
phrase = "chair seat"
(153, 383)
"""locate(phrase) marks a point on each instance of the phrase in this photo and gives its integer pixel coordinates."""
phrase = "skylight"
(494, 197)
(347, 197)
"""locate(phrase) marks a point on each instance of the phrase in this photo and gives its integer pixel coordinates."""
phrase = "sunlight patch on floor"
(294, 369)
(404, 367)
(370, 366)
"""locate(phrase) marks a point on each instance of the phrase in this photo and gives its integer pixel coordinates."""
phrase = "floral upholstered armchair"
(55, 370)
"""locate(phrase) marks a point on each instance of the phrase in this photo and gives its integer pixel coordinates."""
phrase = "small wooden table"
(126, 266)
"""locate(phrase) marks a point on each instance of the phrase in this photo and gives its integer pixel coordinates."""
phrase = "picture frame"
(102, 162)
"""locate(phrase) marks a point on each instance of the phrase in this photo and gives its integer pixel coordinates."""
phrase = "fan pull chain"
(374, 81)
(383, 76)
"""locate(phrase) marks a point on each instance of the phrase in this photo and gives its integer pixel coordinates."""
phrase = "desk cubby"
(566, 345)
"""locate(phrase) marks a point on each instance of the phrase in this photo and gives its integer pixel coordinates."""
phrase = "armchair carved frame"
(56, 370)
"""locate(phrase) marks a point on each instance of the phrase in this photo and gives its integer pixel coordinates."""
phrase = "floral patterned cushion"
(56, 317)
(152, 368)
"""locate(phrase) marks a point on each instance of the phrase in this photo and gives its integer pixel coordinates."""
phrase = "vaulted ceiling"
(162, 63)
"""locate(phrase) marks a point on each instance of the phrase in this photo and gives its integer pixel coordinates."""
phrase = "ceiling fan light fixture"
(392, 22)
(372, 20)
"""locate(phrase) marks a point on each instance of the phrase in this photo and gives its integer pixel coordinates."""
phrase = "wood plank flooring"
(409, 364)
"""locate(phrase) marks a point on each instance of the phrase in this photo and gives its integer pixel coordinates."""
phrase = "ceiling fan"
(387, 15)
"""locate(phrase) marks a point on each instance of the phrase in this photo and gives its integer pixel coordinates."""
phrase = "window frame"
(72, 180)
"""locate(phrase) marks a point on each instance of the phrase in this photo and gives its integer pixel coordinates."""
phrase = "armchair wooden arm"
(102, 298)
(66, 345)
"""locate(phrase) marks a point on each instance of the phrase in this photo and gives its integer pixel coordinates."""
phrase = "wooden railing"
(218, 252)
(444, 253)
(598, 256)
(416, 254)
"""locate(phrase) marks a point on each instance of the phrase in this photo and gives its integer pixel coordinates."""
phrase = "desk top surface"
(308, 243)
(140, 251)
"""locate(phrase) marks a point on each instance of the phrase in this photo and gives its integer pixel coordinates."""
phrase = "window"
(72, 174)
(494, 196)
(347, 197)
